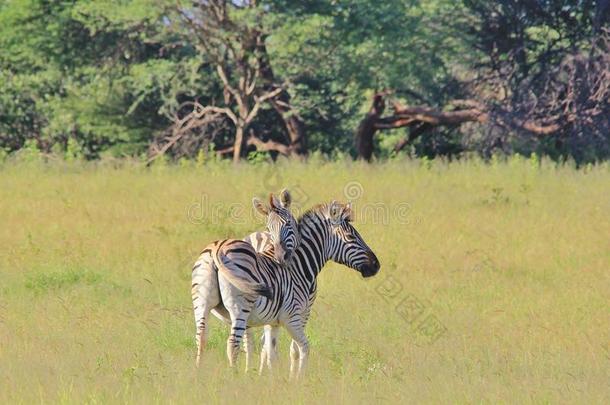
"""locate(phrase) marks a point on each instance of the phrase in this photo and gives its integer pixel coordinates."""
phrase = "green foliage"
(30, 152)
(112, 75)
(257, 157)
(338, 56)
(89, 70)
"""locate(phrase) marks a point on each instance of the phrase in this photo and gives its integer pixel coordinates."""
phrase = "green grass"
(510, 260)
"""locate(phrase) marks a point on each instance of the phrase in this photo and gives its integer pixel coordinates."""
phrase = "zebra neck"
(312, 253)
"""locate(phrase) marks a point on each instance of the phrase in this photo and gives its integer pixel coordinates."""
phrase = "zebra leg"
(263, 354)
(269, 353)
(204, 291)
(272, 352)
(201, 335)
(294, 359)
(238, 326)
(299, 348)
(239, 307)
(249, 346)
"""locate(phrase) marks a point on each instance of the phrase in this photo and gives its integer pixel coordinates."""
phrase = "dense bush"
(105, 77)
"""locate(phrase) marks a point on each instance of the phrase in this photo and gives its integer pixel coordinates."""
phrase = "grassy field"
(494, 284)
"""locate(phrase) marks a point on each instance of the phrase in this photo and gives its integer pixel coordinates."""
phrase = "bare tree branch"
(260, 101)
(269, 145)
(199, 117)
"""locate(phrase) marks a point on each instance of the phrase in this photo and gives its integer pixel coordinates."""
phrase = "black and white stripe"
(325, 234)
(229, 267)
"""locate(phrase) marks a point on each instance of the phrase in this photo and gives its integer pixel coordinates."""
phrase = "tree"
(81, 70)
(164, 77)
(230, 37)
(543, 73)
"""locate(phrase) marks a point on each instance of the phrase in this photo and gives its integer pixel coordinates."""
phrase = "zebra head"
(281, 224)
(346, 245)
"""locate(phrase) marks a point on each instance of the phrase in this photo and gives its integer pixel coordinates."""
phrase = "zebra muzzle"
(372, 267)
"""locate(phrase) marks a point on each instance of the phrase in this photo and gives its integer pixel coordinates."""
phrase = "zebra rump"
(231, 268)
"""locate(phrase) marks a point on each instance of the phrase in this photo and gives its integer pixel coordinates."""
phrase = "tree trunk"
(420, 120)
(239, 143)
(367, 128)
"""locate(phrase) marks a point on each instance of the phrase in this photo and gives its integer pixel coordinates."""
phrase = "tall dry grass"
(510, 259)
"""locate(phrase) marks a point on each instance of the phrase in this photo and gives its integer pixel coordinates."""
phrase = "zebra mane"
(317, 214)
(316, 210)
(314, 214)
(313, 211)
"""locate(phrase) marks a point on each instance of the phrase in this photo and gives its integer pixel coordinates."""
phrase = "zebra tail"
(245, 286)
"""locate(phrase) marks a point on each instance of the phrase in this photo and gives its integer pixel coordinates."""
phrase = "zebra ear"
(335, 211)
(260, 206)
(285, 198)
(274, 202)
(347, 212)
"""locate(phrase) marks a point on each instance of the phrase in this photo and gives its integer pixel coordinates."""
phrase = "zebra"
(282, 236)
(277, 245)
(326, 233)
(287, 237)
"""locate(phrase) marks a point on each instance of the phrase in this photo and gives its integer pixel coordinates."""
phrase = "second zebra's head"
(347, 246)
(281, 225)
